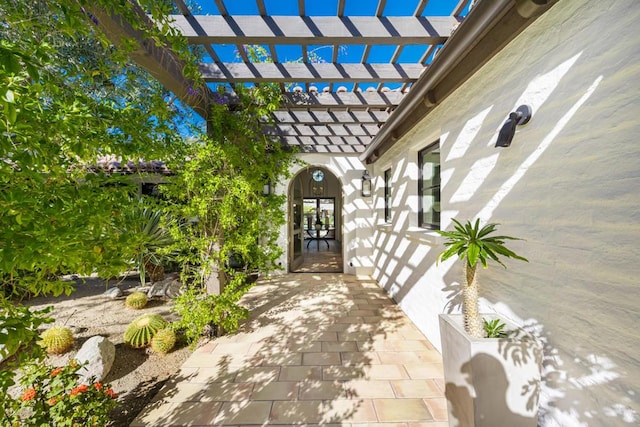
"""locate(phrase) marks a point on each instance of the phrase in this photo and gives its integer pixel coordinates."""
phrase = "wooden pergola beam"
(316, 72)
(342, 100)
(162, 63)
(326, 130)
(316, 30)
(330, 117)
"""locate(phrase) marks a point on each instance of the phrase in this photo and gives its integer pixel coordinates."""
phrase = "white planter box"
(490, 382)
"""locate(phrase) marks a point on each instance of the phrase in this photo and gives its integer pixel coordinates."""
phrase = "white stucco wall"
(356, 211)
(569, 184)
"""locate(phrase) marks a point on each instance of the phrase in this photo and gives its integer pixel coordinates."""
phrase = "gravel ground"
(137, 374)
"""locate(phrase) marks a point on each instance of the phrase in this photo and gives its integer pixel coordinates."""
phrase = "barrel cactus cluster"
(140, 332)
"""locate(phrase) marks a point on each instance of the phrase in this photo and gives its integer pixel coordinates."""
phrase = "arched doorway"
(315, 222)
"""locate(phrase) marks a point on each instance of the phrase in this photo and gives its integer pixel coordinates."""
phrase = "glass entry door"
(296, 232)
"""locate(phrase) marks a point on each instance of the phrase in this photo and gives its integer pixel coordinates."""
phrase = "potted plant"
(489, 381)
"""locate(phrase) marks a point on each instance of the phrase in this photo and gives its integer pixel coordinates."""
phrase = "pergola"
(341, 116)
(336, 107)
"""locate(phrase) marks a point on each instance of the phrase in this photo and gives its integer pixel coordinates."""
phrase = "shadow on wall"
(570, 388)
(497, 412)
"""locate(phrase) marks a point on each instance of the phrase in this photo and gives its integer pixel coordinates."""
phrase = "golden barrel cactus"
(57, 340)
(163, 341)
(136, 300)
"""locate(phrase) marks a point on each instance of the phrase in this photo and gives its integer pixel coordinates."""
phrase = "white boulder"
(97, 355)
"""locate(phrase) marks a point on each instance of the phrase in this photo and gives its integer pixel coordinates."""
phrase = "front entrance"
(315, 226)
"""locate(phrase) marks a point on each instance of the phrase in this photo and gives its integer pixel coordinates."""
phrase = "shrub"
(53, 397)
(57, 340)
(140, 332)
(136, 300)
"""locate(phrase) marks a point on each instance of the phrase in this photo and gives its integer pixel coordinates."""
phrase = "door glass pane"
(297, 246)
(297, 215)
(319, 209)
(327, 212)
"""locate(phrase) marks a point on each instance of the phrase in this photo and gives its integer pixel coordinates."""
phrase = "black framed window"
(429, 187)
(387, 195)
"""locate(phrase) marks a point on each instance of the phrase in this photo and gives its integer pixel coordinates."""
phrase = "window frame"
(432, 225)
(387, 195)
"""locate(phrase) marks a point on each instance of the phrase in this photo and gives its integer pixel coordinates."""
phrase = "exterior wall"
(356, 226)
(569, 184)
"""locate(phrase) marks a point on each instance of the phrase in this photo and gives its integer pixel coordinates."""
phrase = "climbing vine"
(233, 227)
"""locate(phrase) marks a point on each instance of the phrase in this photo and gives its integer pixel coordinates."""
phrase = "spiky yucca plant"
(136, 300)
(149, 232)
(57, 340)
(472, 244)
(140, 332)
(163, 341)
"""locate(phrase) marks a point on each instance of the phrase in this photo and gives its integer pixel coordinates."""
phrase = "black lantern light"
(366, 184)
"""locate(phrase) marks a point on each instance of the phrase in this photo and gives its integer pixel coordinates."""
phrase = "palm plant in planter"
(472, 244)
(484, 381)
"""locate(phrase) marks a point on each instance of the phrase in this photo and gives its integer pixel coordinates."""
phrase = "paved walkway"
(319, 349)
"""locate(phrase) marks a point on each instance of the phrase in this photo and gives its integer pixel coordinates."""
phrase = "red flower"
(28, 394)
(80, 389)
(98, 386)
(112, 394)
(53, 401)
(56, 372)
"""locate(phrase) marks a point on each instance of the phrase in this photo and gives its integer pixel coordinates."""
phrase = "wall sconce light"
(366, 184)
(521, 116)
(266, 188)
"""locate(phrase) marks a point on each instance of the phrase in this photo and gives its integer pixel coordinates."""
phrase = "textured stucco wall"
(356, 227)
(569, 185)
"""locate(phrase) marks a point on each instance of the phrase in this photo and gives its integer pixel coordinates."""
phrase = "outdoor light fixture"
(266, 189)
(521, 116)
(366, 184)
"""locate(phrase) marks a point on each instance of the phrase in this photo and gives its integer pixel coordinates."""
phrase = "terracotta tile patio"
(319, 349)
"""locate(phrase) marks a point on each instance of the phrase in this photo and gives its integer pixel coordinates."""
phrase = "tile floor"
(319, 349)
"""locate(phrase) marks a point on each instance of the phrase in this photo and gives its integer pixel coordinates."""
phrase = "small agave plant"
(474, 244)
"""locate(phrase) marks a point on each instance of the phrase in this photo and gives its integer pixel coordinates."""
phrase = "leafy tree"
(220, 192)
(474, 244)
(67, 97)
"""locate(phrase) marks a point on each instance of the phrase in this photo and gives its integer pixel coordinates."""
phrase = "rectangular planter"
(490, 382)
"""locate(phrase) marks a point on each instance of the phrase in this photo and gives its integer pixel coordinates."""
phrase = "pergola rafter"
(317, 30)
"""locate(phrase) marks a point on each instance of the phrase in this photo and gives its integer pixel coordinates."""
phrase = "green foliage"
(67, 97)
(218, 192)
(57, 340)
(18, 331)
(140, 332)
(163, 341)
(19, 327)
(494, 328)
(53, 397)
(220, 189)
(474, 243)
(199, 310)
(136, 300)
(150, 238)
